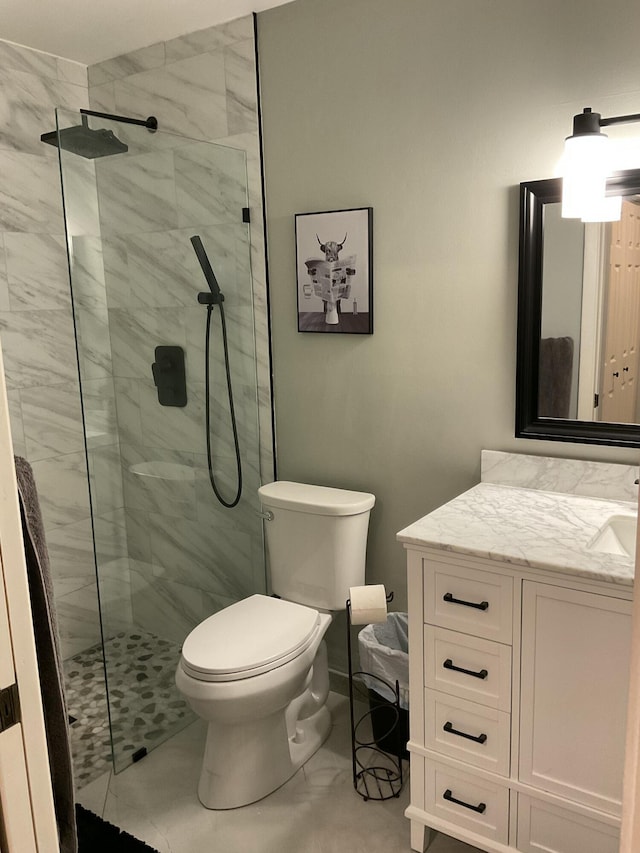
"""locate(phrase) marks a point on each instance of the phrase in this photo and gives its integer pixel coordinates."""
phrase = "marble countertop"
(526, 527)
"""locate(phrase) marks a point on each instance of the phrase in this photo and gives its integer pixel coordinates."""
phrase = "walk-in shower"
(167, 552)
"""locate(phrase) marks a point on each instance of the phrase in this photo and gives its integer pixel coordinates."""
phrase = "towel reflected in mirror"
(555, 375)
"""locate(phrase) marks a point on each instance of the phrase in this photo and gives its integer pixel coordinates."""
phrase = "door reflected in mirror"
(579, 319)
(590, 334)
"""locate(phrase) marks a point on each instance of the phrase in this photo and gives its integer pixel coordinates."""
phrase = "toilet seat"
(253, 636)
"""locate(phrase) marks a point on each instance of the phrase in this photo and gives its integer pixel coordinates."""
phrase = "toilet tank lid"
(320, 500)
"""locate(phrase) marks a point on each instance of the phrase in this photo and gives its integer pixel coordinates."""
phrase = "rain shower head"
(85, 142)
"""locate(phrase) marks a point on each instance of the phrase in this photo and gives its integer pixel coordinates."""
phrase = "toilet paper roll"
(368, 604)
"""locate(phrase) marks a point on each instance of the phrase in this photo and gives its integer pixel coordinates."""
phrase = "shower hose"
(212, 476)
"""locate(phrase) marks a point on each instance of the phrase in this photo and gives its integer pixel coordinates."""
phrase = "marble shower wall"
(203, 84)
(187, 556)
(36, 325)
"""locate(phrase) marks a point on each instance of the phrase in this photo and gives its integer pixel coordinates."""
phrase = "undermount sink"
(617, 536)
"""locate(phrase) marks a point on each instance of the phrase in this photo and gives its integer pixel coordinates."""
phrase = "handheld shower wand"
(216, 297)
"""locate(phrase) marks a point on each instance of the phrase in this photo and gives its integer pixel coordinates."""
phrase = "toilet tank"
(316, 541)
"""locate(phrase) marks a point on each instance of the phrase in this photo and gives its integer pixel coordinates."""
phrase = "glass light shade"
(607, 209)
(586, 165)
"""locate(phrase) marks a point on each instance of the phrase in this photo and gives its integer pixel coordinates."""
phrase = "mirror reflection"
(578, 319)
(590, 323)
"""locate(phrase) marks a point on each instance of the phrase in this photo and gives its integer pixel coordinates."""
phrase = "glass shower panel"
(167, 553)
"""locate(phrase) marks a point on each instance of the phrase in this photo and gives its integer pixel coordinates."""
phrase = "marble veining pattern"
(72, 548)
(136, 193)
(526, 527)
(143, 59)
(210, 185)
(129, 268)
(37, 272)
(241, 91)
(36, 324)
(212, 38)
(4, 280)
(570, 476)
(52, 421)
(19, 58)
(159, 603)
(203, 84)
(26, 109)
(62, 488)
(30, 201)
(77, 619)
(38, 344)
(106, 479)
(188, 96)
(38, 348)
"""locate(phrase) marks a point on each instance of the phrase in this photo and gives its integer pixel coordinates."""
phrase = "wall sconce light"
(586, 167)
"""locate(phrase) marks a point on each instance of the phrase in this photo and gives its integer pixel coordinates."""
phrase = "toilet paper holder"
(377, 773)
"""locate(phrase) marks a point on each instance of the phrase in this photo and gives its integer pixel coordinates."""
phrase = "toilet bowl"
(257, 673)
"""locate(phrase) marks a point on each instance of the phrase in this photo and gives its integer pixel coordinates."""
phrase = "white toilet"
(257, 670)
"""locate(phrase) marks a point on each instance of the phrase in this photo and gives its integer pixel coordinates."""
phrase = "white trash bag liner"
(384, 652)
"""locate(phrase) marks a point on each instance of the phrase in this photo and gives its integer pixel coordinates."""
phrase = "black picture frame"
(534, 195)
(334, 271)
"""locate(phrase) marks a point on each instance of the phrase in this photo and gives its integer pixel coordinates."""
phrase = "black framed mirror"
(570, 384)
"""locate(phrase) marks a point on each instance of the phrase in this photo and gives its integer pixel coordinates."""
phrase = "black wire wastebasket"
(379, 736)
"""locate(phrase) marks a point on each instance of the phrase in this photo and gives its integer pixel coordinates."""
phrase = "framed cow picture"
(334, 271)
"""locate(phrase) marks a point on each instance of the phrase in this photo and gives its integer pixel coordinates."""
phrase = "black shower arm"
(150, 123)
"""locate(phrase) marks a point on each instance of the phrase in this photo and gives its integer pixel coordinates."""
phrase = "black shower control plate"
(169, 376)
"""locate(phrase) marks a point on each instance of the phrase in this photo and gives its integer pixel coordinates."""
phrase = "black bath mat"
(97, 836)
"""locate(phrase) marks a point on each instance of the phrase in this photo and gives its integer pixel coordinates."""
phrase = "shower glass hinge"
(9, 707)
(246, 214)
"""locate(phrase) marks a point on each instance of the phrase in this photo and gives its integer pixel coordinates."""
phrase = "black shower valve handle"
(168, 371)
(162, 372)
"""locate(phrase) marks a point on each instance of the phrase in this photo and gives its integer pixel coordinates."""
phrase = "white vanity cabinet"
(518, 692)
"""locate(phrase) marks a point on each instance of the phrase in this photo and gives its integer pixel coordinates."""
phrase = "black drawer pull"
(483, 605)
(448, 727)
(449, 664)
(480, 808)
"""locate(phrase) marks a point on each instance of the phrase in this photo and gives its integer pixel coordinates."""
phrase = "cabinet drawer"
(463, 599)
(467, 801)
(467, 731)
(474, 669)
(546, 828)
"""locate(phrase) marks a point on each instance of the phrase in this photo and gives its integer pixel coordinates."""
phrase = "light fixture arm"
(588, 122)
(619, 119)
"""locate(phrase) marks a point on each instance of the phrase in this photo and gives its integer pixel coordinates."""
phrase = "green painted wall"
(432, 112)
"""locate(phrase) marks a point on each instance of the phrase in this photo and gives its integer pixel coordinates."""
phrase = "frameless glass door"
(168, 554)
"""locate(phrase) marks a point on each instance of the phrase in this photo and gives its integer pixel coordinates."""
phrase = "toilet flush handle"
(267, 515)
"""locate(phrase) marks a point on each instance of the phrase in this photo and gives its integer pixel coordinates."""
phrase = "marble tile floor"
(317, 811)
(145, 706)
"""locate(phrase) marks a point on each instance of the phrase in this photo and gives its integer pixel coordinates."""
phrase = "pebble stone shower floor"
(145, 705)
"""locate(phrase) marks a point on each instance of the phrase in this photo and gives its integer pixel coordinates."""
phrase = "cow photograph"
(334, 269)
